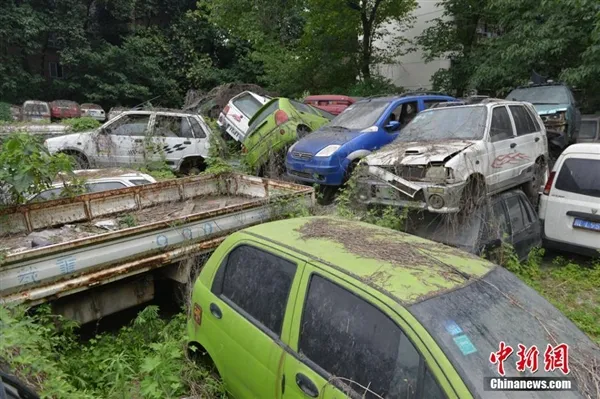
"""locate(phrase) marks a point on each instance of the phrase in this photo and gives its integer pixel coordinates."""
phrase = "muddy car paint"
(433, 174)
(34, 110)
(64, 109)
(93, 111)
(389, 278)
(137, 138)
(306, 162)
(276, 126)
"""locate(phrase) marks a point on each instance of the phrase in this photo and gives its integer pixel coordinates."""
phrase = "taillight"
(197, 314)
(226, 109)
(281, 117)
(549, 183)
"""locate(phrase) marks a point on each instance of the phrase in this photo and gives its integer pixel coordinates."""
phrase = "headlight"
(327, 151)
(436, 173)
(292, 147)
(554, 117)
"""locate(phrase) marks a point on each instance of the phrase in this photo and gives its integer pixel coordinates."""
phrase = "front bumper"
(316, 171)
(385, 188)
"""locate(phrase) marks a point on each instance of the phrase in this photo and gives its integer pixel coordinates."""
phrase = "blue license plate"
(586, 224)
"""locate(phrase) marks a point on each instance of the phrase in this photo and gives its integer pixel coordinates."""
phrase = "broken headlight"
(556, 117)
(437, 173)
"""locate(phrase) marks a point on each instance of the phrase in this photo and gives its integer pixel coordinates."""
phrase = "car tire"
(79, 161)
(532, 187)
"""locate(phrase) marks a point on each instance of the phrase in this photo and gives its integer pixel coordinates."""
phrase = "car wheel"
(302, 131)
(79, 161)
(532, 187)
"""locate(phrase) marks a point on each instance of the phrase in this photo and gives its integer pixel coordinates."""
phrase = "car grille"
(407, 172)
(306, 175)
(305, 156)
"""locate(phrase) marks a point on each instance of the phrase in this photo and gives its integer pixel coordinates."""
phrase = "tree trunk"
(365, 62)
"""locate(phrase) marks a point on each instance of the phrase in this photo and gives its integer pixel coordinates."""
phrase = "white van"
(570, 203)
(238, 112)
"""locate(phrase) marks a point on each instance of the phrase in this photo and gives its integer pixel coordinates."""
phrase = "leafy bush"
(5, 114)
(82, 124)
(377, 85)
(144, 359)
(26, 166)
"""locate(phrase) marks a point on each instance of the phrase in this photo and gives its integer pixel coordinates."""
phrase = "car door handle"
(214, 309)
(187, 142)
(138, 140)
(537, 139)
(306, 385)
(513, 145)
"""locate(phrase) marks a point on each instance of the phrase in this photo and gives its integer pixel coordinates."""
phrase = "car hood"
(68, 138)
(323, 137)
(545, 109)
(417, 153)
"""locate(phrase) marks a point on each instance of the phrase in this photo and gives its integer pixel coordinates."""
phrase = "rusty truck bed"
(101, 235)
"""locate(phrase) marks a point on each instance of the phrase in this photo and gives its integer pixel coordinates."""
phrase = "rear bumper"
(567, 246)
(316, 172)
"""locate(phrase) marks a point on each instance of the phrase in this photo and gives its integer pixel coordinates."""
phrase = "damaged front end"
(431, 187)
(556, 121)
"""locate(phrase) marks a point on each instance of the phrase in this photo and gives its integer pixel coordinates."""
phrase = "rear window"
(140, 182)
(264, 114)
(469, 324)
(588, 130)
(580, 176)
(36, 108)
(247, 104)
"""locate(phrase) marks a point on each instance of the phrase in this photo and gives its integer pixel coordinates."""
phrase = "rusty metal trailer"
(168, 235)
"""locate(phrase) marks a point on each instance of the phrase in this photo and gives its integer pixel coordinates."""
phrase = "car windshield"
(580, 176)
(540, 95)
(446, 228)
(469, 324)
(361, 115)
(267, 110)
(588, 130)
(452, 123)
(247, 104)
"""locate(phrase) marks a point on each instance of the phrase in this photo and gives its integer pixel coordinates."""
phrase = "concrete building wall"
(411, 71)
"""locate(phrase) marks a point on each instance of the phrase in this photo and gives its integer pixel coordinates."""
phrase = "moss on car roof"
(405, 267)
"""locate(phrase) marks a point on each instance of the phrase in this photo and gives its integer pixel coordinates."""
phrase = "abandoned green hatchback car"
(329, 308)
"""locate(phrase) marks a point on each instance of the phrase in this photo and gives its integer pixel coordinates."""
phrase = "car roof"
(110, 173)
(582, 148)
(407, 97)
(329, 97)
(404, 267)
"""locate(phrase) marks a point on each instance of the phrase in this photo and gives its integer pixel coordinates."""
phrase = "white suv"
(449, 157)
(570, 204)
(140, 137)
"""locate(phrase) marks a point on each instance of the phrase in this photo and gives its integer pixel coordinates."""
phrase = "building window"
(56, 71)
(52, 40)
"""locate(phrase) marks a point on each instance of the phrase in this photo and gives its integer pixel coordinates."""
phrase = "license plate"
(231, 130)
(586, 224)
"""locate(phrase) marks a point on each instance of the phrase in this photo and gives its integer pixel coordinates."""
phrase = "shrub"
(82, 124)
(5, 114)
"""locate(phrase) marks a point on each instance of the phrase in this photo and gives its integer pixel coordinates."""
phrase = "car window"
(431, 389)
(447, 229)
(168, 126)
(186, 129)
(303, 107)
(409, 111)
(469, 323)
(264, 114)
(48, 194)
(540, 95)
(523, 122)
(447, 123)
(580, 176)
(588, 130)
(351, 339)
(499, 225)
(501, 128)
(247, 104)
(431, 103)
(104, 186)
(325, 114)
(140, 182)
(198, 130)
(528, 211)
(516, 214)
(258, 283)
(129, 125)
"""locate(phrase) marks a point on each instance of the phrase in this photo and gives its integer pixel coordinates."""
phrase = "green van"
(327, 308)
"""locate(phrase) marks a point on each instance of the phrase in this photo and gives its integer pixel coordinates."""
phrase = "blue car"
(328, 155)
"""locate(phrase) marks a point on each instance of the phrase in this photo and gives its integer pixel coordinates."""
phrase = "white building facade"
(410, 71)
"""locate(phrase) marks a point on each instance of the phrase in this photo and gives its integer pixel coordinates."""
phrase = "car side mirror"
(392, 126)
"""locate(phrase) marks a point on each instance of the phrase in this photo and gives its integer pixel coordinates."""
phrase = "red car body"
(334, 104)
(63, 109)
